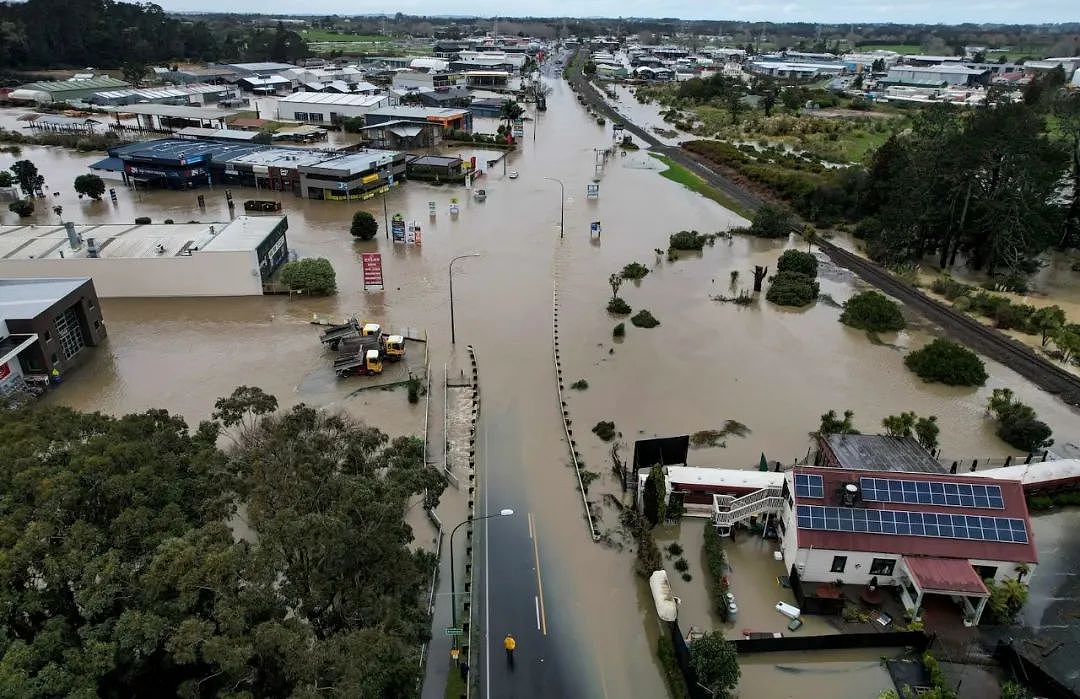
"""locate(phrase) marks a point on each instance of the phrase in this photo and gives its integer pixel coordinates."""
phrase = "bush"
(950, 288)
(634, 270)
(605, 430)
(675, 549)
(872, 311)
(364, 226)
(618, 307)
(313, 275)
(142, 220)
(947, 362)
(681, 565)
(792, 289)
(644, 319)
(686, 240)
(619, 330)
(415, 387)
(580, 385)
(771, 222)
(716, 562)
(90, 185)
(797, 261)
(1028, 434)
(22, 207)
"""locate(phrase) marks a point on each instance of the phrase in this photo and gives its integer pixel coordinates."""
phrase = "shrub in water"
(604, 430)
(872, 311)
(686, 240)
(792, 289)
(797, 261)
(618, 307)
(947, 362)
(644, 319)
(619, 331)
(634, 270)
(313, 275)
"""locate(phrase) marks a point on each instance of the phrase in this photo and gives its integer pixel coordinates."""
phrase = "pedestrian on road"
(509, 644)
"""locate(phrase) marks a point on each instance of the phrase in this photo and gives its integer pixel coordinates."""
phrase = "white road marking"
(487, 578)
(536, 603)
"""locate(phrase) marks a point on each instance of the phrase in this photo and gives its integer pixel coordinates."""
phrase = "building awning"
(949, 575)
(404, 131)
(109, 164)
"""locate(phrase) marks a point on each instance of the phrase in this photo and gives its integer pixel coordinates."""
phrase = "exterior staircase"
(729, 510)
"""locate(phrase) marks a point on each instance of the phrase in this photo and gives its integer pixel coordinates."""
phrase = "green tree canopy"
(797, 261)
(715, 662)
(122, 576)
(312, 275)
(873, 311)
(771, 222)
(364, 226)
(90, 185)
(946, 362)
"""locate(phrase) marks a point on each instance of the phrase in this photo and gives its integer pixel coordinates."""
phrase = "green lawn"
(324, 35)
(677, 173)
(899, 48)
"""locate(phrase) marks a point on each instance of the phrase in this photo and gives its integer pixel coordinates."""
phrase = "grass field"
(323, 35)
(899, 48)
(677, 173)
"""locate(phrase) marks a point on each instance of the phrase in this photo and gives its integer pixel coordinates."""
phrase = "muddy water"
(772, 369)
(858, 674)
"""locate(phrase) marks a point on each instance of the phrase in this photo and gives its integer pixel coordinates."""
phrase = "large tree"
(124, 575)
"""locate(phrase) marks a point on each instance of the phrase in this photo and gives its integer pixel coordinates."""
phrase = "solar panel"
(903, 523)
(985, 496)
(809, 485)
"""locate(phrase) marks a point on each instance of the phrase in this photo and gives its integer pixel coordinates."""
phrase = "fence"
(872, 639)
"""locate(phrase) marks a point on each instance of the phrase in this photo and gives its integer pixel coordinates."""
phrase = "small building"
(402, 135)
(444, 97)
(46, 324)
(448, 119)
(875, 452)
(486, 78)
(325, 108)
(352, 176)
(490, 108)
(63, 124)
(434, 167)
(269, 85)
(195, 259)
(47, 91)
(419, 80)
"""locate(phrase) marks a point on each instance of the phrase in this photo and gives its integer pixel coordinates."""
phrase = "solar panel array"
(936, 524)
(809, 485)
(932, 493)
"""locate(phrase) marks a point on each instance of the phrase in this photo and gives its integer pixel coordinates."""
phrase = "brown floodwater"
(775, 370)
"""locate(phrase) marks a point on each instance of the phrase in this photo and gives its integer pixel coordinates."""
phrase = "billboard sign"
(372, 264)
(397, 229)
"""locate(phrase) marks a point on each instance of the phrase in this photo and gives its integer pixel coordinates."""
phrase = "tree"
(1007, 598)
(1047, 321)
(615, 281)
(6, 179)
(312, 275)
(831, 424)
(1066, 111)
(771, 222)
(946, 362)
(263, 138)
(1018, 424)
(22, 207)
(797, 261)
(715, 662)
(26, 173)
(589, 68)
(899, 425)
(926, 431)
(364, 226)
(873, 311)
(509, 111)
(1067, 340)
(90, 185)
(653, 496)
(792, 289)
(133, 72)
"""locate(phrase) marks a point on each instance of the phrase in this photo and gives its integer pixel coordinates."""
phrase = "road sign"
(372, 264)
(397, 228)
(592, 191)
(431, 208)
(594, 228)
(452, 631)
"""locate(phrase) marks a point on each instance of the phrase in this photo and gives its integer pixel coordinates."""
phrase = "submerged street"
(584, 623)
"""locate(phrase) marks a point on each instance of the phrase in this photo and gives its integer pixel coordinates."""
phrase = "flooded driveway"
(775, 370)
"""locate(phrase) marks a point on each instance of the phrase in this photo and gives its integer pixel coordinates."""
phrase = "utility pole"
(453, 587)
(562, 205)
(453, 334)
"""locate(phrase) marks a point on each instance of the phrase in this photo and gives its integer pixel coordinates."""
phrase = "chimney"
(73, 237)
(91, 248)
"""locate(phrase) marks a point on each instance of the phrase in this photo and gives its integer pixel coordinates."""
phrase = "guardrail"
(472, 514)
(566, 414)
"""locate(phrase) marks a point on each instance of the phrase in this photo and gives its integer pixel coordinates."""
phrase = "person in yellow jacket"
(509, 644)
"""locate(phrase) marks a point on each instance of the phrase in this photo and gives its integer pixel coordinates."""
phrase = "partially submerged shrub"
(872, 311)
(792, 289)
(946, 362)
(618, 307)
(644, 319)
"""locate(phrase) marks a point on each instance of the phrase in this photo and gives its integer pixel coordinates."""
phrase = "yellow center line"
(539, 581)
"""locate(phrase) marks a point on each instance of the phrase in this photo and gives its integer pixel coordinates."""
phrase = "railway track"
(965, 329)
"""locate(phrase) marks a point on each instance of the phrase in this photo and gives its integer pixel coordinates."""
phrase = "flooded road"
(775, 370)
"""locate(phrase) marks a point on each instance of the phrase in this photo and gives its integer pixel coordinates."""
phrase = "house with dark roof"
(935, 538)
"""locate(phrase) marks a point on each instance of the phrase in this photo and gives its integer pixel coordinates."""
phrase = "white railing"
(732, 510)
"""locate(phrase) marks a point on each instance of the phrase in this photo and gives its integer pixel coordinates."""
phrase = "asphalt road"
(511, 596)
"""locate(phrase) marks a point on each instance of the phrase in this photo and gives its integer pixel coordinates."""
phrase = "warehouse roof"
(102, 83)
(281, 157)
(331, 98)
(220, 134)
(23, 299)
(177, 111)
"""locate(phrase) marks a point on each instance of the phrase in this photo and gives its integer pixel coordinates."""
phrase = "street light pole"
(506, 512)
(562, 204)
(453, 334)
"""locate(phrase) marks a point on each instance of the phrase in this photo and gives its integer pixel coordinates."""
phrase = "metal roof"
(23, 299)
(945, 575)
(421, 112)
(178, 111)
(331, 98)
(101, 83)
(876, 452)
(222, 134)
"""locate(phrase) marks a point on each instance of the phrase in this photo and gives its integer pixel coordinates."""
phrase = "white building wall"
(288, 110)
(1006, 570)
(205, 273)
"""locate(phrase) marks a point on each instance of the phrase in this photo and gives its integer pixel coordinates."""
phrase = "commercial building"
(171, 163)
(328, 108)
(793, 70)
(359, 175)
(487, 78)
(435, 167)
(64, 90)
(46, 324)
(419, 80)
(952, 74)
(260, 69)
(276, 169)
(402, 135)
(165, 117)
(195, 94)
(197, 259)
(455, 119)
(209, 74)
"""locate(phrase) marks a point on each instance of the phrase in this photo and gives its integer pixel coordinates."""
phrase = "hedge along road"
(958, 326)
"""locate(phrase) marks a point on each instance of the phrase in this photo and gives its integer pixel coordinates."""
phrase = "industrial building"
(194, 94)
(951, 74)
(455, 119)
(328, 108)
(353, 176)
(47, 91)
(124, 260)
(46, 325)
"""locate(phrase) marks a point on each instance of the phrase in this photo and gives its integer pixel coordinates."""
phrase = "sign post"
(594, 229)
(592, 191)
(372, 265)
(397, 228)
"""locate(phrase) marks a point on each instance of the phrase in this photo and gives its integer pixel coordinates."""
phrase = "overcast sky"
(830, 11)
